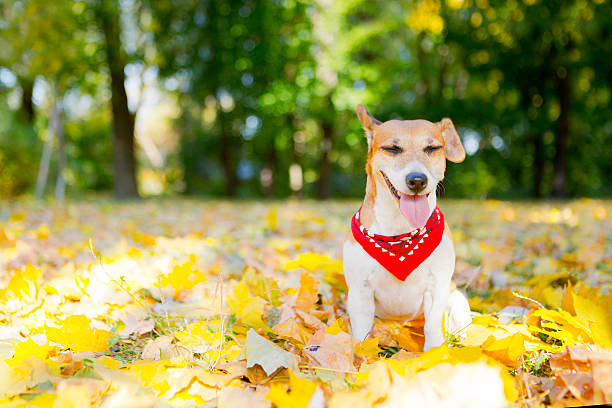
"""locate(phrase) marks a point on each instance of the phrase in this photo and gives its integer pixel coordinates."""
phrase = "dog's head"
(407, 158)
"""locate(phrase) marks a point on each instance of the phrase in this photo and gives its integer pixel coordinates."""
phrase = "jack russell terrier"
(399, 260)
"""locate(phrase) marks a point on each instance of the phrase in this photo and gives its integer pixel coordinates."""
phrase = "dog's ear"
(452, 144)
(368, 122)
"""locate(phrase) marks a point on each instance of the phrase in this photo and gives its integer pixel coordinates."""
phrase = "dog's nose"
(416, 182)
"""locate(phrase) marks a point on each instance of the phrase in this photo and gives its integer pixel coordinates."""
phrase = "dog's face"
(407, 158)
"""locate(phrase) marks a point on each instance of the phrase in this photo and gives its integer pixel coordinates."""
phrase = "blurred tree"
(267, 88)
(59, 41)
(108, 16)
(350, 68)
(530, 56)
(236, 63)
(43, 39)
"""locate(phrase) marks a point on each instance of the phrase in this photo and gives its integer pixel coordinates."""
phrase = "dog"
(399, 259)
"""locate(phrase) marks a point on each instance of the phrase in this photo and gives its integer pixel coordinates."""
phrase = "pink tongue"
(415, 209)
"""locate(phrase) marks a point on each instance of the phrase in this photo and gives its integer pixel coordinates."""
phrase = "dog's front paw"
(432, 342)
(360, 331)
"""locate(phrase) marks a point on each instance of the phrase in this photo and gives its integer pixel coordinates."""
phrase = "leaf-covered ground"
(195, 303)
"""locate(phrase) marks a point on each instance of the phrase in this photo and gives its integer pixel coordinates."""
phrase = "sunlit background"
(257, 98)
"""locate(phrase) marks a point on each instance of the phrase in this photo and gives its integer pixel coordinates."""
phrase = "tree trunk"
(559, 182)
(227, 162)
(27, 105)
(43, 169)
(60, 186)
(535, 138)
(538, 164)
(324, 190)
(271, 161)
(123, 120)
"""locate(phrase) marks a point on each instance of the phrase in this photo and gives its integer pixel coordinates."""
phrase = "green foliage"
(89, 152)
(266, 89)
(17, 157)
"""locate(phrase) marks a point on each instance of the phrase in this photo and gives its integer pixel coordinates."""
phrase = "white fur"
(388, 219)
(373, 290)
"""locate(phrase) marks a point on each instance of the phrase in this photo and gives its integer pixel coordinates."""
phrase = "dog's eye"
(392, 149)
(431, 149)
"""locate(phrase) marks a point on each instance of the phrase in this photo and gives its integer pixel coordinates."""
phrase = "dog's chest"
(397, 299)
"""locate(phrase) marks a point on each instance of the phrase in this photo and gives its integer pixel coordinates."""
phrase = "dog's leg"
(360, 300)
(434, 304)
(457, 316)
(360, 307)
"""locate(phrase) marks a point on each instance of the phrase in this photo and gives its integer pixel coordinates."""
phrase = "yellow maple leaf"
(261, 286)
(593, 314)
(25, 282)
(195, 334)
(246, 307)
(207, 339)
(76, 333)
(183, 276)
(27, 349)
(338, 326)
(506, 350)
(477, 334)
(561, 325)
(152, 374)
(301, 391)
(368, 348)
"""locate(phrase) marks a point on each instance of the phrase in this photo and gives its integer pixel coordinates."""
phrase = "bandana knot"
(401, 254)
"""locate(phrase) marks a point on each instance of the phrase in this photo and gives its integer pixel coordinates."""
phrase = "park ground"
(189, 302)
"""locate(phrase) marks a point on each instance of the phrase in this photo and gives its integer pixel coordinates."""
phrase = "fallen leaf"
(160, 348)
(24, 283)
(183, 276)
(307, 294)
(298, 395)
(368, 348)
(79, 392)
(266, 354)
(136, 325)
(331, 350)
(27, 349)
(76, 333)
(310, 321)
(507, 350)
(26, 375)
(234, 397)
(246, 307)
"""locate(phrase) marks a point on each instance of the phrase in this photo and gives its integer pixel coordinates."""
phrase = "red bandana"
(401, 254)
